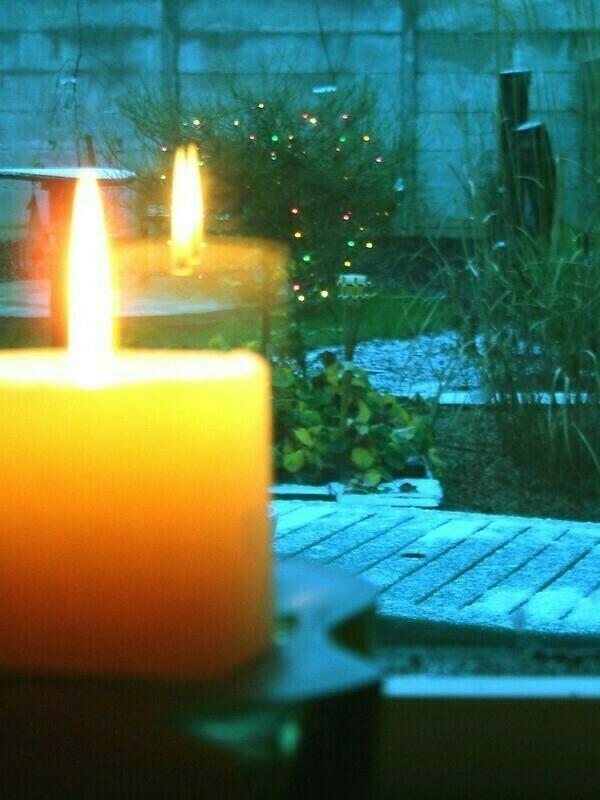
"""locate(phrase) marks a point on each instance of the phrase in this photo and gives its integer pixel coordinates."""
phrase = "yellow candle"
(134, 512)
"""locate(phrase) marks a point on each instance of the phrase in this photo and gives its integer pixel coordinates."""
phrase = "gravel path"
(427, 365)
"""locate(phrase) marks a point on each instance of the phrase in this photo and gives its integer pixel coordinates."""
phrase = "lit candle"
(186, 213)
(134, 523)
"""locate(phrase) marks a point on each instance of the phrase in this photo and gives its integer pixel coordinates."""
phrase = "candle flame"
(186, 212)
(90, 292)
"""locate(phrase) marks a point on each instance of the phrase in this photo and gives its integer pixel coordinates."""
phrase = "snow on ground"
(427, 365)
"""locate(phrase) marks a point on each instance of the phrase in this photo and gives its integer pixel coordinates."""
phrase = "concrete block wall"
(64, 65)
(461, 47)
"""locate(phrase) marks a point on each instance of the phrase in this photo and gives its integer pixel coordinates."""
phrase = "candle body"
(134, 517)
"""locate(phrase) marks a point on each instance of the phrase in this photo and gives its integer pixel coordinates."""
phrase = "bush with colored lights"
(317, 174)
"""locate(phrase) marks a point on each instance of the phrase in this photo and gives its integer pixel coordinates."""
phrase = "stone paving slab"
(408, 492)
(507, 573)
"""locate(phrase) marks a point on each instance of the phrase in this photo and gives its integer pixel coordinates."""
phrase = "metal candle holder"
(297, 723)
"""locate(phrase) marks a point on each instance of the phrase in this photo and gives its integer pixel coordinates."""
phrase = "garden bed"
(478, 475)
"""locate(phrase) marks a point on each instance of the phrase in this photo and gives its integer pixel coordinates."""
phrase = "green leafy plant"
(376, 441)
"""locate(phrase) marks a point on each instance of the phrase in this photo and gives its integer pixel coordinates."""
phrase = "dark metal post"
(536, 178)
(513, 110)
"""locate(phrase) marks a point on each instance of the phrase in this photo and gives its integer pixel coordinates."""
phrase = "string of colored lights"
(341, 151)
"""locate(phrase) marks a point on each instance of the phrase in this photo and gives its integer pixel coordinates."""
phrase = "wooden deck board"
(454, 567)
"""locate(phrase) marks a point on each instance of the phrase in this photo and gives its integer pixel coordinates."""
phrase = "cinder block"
(458, 52)
(294, 17)
(513, 15)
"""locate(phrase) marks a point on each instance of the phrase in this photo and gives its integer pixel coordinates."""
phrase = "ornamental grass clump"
(537, 319)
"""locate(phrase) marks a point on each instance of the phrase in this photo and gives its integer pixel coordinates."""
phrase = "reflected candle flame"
(186, 212)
